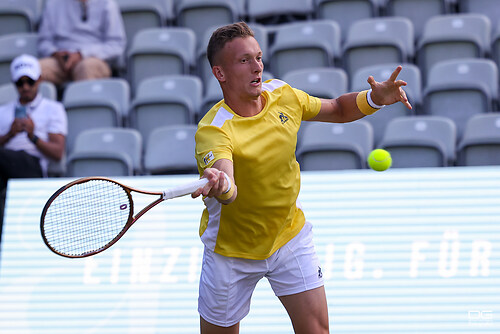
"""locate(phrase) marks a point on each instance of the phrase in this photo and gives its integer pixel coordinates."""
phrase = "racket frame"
(131, 219)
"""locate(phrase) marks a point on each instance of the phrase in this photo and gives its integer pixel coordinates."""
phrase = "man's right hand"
(61, 57)
(16, 127)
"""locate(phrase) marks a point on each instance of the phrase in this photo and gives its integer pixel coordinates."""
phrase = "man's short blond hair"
(223, 35)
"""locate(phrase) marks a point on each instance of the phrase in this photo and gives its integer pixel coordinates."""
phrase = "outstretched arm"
(345, 108)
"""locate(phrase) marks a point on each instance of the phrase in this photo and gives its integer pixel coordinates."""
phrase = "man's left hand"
(73, 59)
(389, 91)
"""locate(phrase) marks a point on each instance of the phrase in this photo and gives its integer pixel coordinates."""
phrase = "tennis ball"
(379, 160)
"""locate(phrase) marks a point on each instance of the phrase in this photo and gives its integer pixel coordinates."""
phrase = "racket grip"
(184, 189)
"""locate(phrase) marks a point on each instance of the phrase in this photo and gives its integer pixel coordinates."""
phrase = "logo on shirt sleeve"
(208, 158)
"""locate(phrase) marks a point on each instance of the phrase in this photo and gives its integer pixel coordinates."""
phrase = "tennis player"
(253, 226)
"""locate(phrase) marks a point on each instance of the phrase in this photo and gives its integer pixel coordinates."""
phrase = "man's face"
(241, 65)
(27, 89)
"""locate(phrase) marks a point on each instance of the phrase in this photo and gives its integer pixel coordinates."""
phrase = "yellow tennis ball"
(379, 160)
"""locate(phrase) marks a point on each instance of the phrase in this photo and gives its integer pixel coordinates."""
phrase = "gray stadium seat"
(160, 51)
(202, 15)
(81, 164)
(328, 146)
(95, 144)
(13, 45)
(495, 45)
(453, 36)
(480, 145)
(170, 150)
(345, 12)
(418, 11)
(301, 45)
(324, 82)
(461, 88)
(143, 14)
(410, 73)
(95, 103)
(420, 141)
(212, 95)
(279, 11)
(378, 41)
(48, 90)
(165, 100)
(17, 16)
(489, 8)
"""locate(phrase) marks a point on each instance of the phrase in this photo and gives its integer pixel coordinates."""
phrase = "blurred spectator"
(32, 128)
(80, 39)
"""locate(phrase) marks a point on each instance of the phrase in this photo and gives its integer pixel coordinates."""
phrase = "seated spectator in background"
(32, 128)
(79, 39)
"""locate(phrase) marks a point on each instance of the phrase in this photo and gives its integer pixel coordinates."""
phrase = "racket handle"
(184, 189)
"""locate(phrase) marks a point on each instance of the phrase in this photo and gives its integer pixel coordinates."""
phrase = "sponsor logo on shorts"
(320, 273)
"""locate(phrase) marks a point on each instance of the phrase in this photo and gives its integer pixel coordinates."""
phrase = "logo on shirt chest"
(283, 118)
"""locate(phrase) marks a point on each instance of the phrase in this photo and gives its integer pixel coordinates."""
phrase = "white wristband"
(370, 101)
(228, 179)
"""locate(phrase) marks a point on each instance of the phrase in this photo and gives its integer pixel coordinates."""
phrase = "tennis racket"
(89, 215)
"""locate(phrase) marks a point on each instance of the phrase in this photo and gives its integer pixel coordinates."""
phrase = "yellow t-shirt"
(264, 215)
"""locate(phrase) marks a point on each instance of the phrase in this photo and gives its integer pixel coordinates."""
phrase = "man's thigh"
(91, 68)
(226, 287)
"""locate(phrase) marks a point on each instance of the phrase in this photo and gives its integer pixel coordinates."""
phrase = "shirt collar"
(33, 104)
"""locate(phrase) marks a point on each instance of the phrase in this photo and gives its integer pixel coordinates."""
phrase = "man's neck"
(246, 108)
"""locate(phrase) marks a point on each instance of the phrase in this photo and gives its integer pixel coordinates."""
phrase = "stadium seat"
(301, 45)
(48, 90)
(378, 41)
(18, 16)
(279, 11)
(94, 145)
(170, 150)
(212, 95)
(410, 73)
(160, 51)
(8, 92)
(489, 8)
(324, 82)
(480, 145)
(82, 164)
(165, 100)
(95, 103)
(420, 141)
(495, 45)
(418, 11)
(328, 146)
(13, 45)
(461, 88)
(143, 14)
(202, 15)
(451, 37)
(345, 12)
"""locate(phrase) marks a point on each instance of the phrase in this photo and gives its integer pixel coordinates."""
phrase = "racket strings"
(86, 217)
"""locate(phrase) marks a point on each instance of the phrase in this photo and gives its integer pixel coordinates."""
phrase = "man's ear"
(218, 73)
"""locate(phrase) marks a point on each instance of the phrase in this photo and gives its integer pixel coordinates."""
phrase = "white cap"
(25, 65)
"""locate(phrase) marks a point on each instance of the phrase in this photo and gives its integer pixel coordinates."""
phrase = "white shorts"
(227, 283)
